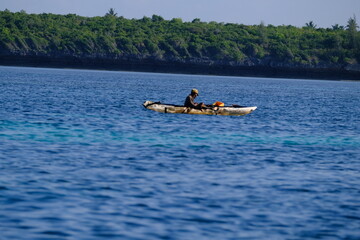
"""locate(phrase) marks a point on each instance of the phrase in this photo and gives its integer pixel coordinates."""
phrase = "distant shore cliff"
(158, 45)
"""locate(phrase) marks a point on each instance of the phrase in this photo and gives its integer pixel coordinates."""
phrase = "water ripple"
(76, 162)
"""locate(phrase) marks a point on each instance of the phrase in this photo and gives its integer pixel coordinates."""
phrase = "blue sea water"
(80, 158)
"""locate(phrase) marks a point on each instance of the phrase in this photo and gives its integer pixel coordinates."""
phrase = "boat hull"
(216, 110)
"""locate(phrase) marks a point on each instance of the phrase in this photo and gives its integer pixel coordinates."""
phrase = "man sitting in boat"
(189, 101)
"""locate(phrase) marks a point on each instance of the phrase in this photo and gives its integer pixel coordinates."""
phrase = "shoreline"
(153, 66)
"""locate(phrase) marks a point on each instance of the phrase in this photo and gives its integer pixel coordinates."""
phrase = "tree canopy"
(175, 40)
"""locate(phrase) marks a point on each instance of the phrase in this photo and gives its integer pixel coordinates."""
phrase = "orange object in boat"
(220, 104)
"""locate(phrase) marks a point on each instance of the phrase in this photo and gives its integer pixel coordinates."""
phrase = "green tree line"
(175, 40)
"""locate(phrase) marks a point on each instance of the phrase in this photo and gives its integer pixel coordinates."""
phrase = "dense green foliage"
(175, 40)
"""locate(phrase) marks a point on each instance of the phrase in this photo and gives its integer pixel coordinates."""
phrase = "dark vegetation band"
(198, 42)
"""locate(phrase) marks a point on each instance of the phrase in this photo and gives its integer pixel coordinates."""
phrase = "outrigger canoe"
(214, 110)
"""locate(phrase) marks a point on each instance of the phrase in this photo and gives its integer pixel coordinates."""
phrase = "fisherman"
(189, 101)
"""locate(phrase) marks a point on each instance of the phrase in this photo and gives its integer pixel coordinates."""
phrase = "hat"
(195, 91)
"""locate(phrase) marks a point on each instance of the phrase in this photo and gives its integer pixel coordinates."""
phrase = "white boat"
(234, 110)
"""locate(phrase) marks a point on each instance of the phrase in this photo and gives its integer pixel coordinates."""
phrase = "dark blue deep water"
(80, 158)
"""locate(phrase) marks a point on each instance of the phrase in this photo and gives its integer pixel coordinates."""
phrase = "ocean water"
(80, 158)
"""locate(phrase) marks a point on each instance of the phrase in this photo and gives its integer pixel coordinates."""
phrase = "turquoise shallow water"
(80, 158)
